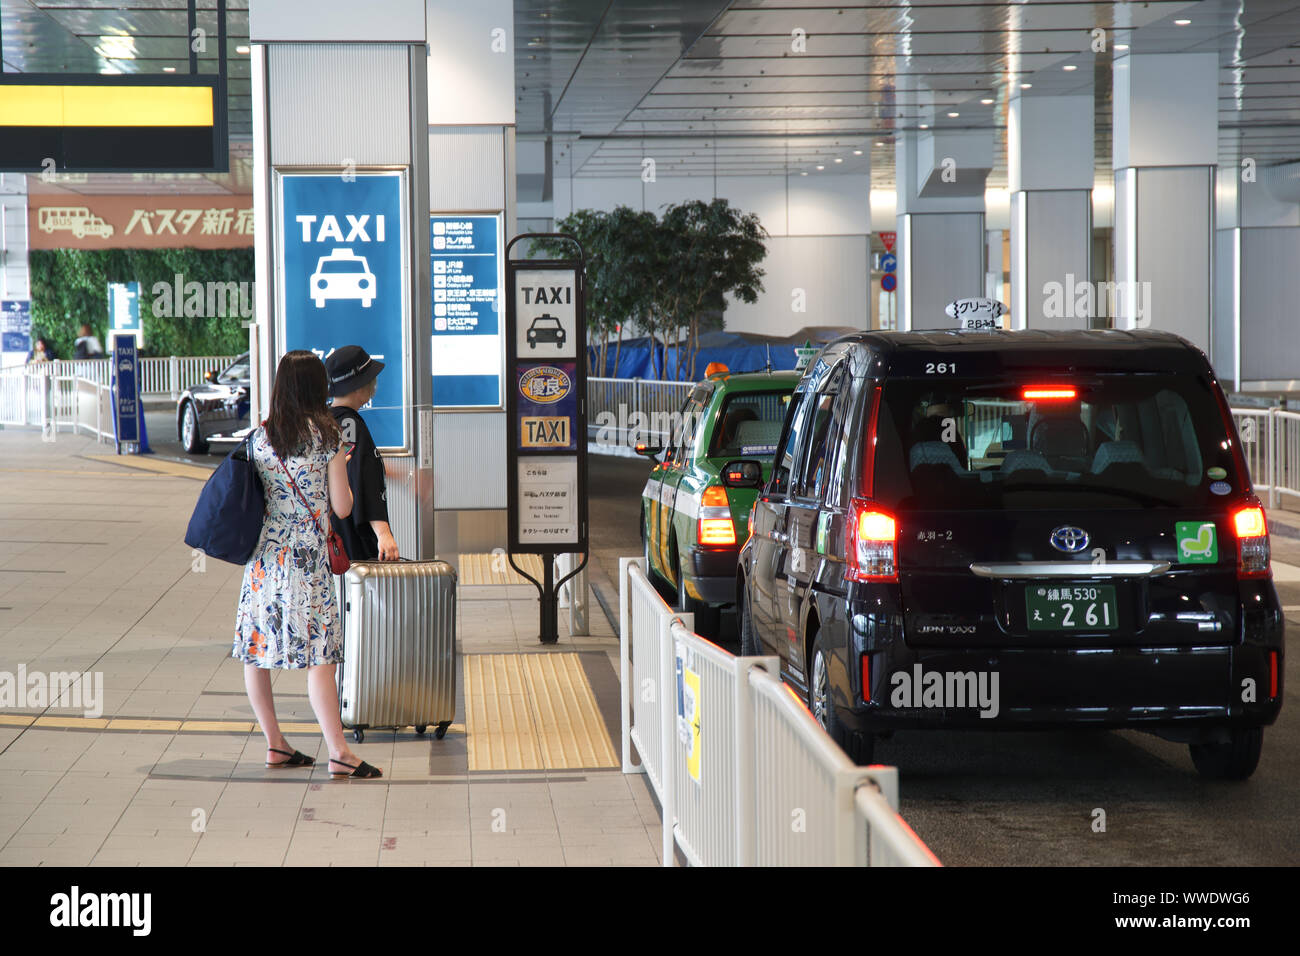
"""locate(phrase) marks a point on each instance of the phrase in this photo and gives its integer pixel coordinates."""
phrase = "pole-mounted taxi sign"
(546, 417)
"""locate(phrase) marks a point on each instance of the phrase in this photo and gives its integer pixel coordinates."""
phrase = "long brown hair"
(298, 400)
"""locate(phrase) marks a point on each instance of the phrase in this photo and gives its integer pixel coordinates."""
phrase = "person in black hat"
(365, 533)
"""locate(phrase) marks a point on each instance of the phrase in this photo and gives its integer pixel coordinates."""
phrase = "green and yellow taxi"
(696, 502)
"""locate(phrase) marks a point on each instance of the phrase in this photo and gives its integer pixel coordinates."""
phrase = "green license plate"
(1071, 607)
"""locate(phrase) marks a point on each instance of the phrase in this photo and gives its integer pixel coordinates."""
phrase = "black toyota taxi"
(1017, 530)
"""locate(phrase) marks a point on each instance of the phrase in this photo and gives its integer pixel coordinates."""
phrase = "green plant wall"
(70, 286)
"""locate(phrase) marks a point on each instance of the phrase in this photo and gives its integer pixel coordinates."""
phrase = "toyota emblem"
(1069, 539)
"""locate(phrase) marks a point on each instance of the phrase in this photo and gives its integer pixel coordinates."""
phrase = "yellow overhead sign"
(81, 105)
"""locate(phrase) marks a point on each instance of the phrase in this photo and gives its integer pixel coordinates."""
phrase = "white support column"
(1165, 152)
(940, 186)
(15, 274)
(1050, 177)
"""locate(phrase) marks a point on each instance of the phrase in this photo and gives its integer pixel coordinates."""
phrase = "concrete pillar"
(1165, 152)
(15, 276)
(1050, 175)
(472, 169)
(940, 178)
(337, 95)
(1257, 247)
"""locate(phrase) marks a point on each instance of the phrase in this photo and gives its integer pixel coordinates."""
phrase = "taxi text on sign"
(343, 279)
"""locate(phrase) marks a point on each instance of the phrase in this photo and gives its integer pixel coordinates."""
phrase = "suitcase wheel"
(420, 729)
(441, 730)
(358, 735)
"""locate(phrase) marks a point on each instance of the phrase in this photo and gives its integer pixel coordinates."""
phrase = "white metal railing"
(1270, 439)
(623, 411)
(158, 376)
(743, 773)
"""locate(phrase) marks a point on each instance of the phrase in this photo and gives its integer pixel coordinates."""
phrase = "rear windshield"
(749, 425)
(1105, 441)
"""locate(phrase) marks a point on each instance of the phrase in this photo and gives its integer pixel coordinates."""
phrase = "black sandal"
(362, 772)
(296, 759)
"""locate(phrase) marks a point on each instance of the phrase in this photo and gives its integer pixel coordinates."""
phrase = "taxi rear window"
(1105, 441)
(749, 425)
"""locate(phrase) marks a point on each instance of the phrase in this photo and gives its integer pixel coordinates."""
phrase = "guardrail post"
(744, 764)
(667, 691)
(624, 660)
(1274, 473)
(636, 407)
(174, 374)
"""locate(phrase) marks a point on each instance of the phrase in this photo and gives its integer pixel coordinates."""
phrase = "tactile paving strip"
(532, 712)
(495, 569)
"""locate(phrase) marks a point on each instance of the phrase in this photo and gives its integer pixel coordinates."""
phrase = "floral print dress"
(288, 616)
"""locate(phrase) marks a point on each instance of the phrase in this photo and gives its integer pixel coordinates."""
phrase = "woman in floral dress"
(288, 616)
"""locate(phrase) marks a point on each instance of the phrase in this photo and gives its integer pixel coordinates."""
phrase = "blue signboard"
(343, 280)
(888, 262)
(16, 326)
(126, 388)
(464, 254)
(547, 406)
(124, 310)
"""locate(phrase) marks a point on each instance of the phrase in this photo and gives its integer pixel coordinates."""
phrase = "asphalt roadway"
(1023, 799)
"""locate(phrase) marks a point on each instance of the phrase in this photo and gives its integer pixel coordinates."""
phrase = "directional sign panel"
(126, 388)
(465, 262)
(15, 330)
(344, 280)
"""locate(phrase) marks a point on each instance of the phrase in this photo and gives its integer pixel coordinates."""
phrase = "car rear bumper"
(713, 574)
(1045, 688)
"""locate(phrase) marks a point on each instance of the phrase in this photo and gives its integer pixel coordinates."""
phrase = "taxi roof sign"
(978, 314)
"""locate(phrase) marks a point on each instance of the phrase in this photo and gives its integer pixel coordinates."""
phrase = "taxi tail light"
(1272, 673)
(871, 551)
(866, 679)
(715, 524)
(1252, 542)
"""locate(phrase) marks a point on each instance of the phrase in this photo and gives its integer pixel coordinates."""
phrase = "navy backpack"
(227, 519)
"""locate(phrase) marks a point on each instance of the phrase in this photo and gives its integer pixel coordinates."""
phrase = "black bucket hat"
(350, 368)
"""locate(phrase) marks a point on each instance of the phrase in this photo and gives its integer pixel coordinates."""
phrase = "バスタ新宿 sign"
(465, 266)
(343, 280)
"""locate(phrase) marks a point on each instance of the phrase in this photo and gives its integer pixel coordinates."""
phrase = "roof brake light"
(1049, 393)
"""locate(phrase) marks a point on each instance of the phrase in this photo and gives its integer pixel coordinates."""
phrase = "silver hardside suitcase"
(399, 646)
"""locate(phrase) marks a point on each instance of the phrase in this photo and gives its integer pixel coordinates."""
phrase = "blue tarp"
(739, 351)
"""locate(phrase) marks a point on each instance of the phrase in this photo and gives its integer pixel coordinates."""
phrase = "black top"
(369, 492)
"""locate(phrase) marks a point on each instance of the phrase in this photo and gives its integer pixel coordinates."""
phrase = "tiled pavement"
(94, 578)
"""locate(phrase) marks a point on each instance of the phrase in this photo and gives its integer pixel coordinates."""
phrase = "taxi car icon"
(342, 275)
(545, 328)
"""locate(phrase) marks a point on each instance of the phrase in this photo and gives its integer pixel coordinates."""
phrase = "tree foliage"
(70, 286)
(667, 276)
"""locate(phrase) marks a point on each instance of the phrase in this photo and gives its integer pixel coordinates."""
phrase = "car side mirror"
(648, 451)
(210, 377)
(742, 473)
